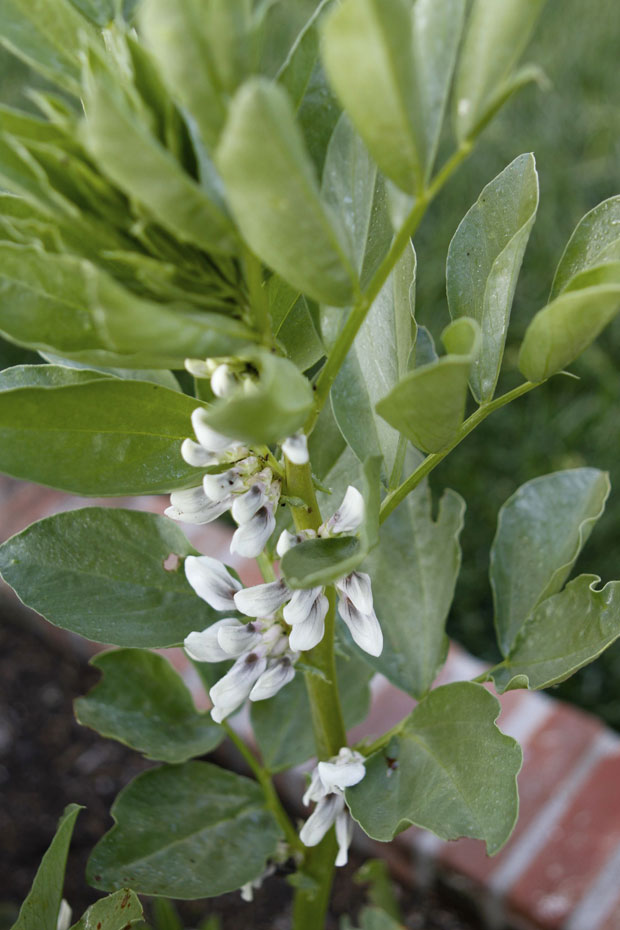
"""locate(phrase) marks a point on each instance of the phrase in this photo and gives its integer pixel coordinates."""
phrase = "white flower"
(305, 609)
(211, 581)
(64, 916)
(295, 449)
(327, 785)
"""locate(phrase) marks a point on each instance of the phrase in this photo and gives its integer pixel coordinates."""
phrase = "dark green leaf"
(496, 36)
(187, 831)
(274, 195)
(296, 70)
(484, 261)
(321, 561)
(449, 770)
(119, 911)
(541, 530)
(102, 438)
(368, 55)
(141, 701)
(275, 407)
(283, 724)
(414, 571)
(565, 632)
(40, 909)
(428, 404)
(100, 573)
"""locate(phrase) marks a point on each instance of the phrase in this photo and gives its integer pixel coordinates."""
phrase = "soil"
(47, 761)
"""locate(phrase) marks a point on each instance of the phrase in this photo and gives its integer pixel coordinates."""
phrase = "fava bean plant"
(206, 232)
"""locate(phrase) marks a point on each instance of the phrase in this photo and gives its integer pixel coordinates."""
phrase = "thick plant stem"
(393, 499)
(310, 907)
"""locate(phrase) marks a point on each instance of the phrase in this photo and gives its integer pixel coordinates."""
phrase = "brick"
(549, 754)
(577, 850)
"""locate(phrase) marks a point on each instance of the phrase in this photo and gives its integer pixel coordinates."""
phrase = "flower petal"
(348, 517)
(250, 538)
(235, 640)
(315, 790)
(205, 646)
(309, 633)
(321, 819)
(286, 541)
(193, 506)
(232, 690)
(246, 505)
(195, 454)
(357, 588)
(207, 437)
(300, 605)
(223, 381)
(344, 835)
(211, 581)
(271, 681)
(262, 600)
(341, 775)
(295, 449)
(364, 628)
(221, 487)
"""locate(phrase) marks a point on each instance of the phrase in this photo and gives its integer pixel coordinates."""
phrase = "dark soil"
(47, 761)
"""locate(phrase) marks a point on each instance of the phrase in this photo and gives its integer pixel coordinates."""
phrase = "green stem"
(393, 499)
(271, 797)
(358, 314)
(258, 295)
(265, 566)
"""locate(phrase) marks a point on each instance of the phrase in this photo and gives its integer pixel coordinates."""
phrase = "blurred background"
(573, 127)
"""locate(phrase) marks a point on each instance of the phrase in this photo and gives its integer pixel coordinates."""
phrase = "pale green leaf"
(495, 38)
(375, 365)
(141, 701)
(449, 770)
(274, 195)
(156, 376)
(595, 241)
(296, 70)
(100, 572)
(484, 261)
(323, 560)
(414, 571)
(541, 530)
(428, 404)
(119, 911)
(561, 331)
(40, 909)
(275, 407)
(185, 831)
(565, 632)
(368, 55)
(104, 437)
(283, 724)
(41, 376)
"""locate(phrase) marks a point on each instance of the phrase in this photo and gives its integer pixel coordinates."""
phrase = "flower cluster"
(329, 779)
(264, 660)
(305, 609)
(247, 488)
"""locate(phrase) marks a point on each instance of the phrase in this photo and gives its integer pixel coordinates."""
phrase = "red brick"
(577, 850)
(548, 757)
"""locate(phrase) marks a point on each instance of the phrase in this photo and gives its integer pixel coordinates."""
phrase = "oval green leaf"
(595, 241)
(100, 573)
(119, 911)
(185, 831)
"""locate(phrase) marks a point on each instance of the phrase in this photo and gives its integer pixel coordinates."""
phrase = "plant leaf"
(100, 573)
(561, 331)
(141, 701)
(541, 530)
(185, 831)
(375, 364)
(296, 70)
(566, 631)
(22, 376)
(275, 408)
(484, 261)
(119, 911)
(414, 571)
(595, 241)
(495, 38)
(133, 428)
(323, 560)
(283, 724)
(428, 404)
(274, 196)
(368, 55)
(40, 909)
(449, 770)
